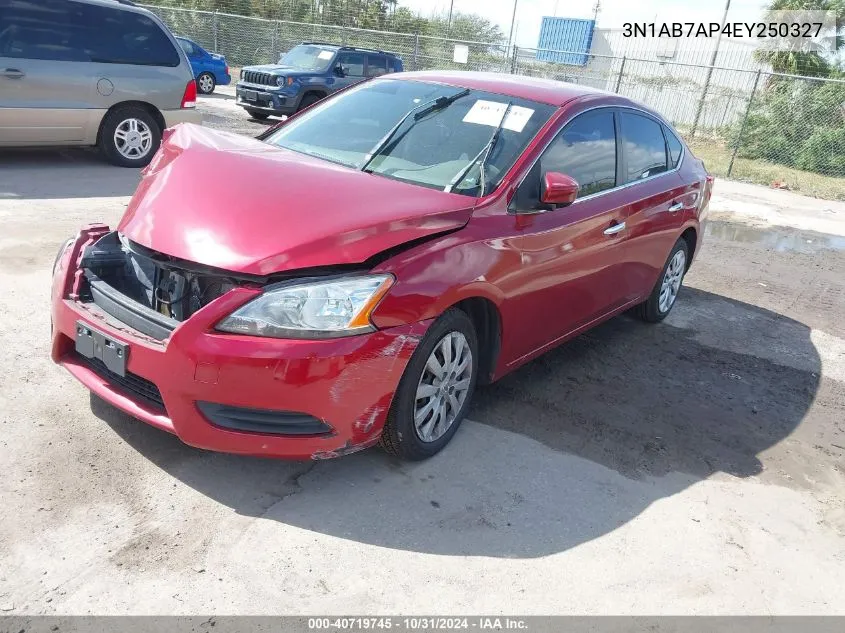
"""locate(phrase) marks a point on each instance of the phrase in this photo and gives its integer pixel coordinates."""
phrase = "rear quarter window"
(675, 147)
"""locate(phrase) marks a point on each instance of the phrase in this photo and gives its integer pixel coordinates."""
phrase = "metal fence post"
(214, 31)
(273, 41)
(416, 51)
(343, 35)
(742, 127)
(513, 59)
(703, 97)
(621, 72)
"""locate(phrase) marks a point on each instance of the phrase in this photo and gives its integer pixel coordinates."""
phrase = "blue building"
(565, 34)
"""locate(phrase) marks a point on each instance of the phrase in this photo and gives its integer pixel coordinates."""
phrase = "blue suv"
(210, 69)
(306, 74)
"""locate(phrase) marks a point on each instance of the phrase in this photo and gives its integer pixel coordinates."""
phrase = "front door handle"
(12, 73)
(676, 207)
(614, 229)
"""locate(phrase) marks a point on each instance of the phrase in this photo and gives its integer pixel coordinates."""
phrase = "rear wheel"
(129, 136)
(665, 291)
(206, 83)
(435, 391)
(257, 114)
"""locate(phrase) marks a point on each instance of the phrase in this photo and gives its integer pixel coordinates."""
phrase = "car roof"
(340, 47)
(532, 88)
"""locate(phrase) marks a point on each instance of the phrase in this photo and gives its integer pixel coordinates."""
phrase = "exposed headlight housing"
(62, 250)
(311, 309)
(280, 81)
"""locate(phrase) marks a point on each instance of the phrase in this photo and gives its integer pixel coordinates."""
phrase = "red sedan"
(353, 274)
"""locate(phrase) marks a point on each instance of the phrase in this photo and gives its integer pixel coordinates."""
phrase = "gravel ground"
(696, 466)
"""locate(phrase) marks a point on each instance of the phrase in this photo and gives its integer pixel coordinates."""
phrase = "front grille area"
(255, 77)
(131, 384)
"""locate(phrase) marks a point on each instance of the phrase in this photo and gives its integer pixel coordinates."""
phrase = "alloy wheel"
(672, 281)
(133, 138)
(443, 387)
(206, 84)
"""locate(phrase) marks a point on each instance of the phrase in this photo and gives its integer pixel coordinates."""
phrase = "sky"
(612, 13)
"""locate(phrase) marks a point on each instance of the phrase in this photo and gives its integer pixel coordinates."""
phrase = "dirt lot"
(697, 466)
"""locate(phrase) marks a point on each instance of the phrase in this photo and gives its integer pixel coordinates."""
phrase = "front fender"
(435, 276)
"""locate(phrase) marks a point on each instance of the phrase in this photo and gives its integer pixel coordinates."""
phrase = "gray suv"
(91, 72)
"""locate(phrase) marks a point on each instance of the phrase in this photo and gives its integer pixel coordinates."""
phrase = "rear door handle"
(614, 229)
(12, 73)
(676, 207)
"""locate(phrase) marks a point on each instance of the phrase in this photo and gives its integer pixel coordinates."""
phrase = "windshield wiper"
(420, 111)
(485, 152)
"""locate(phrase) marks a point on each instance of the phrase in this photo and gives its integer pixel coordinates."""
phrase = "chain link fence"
(751, 124)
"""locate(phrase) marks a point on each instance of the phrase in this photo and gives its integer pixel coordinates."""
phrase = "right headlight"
(312, 309)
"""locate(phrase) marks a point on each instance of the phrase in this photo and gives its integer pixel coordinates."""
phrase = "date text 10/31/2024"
(420, 623)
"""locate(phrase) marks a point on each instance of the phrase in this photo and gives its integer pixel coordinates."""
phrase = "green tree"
(806, 62)
(465, 26)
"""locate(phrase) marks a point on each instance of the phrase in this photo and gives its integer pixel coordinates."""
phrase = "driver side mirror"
(338, 70)
(558, 190)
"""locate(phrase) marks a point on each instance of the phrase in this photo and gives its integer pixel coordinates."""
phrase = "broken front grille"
(147, 290)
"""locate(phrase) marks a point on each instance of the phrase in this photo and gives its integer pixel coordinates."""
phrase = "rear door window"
(376, 65)
(187, 47)
(124, 37)
(645, 147)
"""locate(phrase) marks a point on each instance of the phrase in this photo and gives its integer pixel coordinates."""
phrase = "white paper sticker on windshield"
(491, 112)
(325, 55)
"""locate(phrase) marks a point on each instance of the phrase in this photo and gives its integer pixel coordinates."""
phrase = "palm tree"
(804, 61)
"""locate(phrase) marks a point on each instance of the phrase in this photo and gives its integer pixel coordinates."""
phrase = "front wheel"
(665, 291)
(307, 101)
(435, 391)
(206, 83)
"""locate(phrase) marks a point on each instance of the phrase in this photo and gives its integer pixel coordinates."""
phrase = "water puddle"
(779, 239)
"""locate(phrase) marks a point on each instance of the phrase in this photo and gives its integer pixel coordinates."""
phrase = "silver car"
(91, 72)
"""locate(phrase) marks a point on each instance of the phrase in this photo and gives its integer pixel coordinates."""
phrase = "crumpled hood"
(239, 204)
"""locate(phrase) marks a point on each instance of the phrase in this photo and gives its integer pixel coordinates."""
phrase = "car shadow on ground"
(572, 445)
(62, 173)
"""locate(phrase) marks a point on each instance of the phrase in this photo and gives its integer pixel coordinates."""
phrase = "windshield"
(306, 57)
(432, 148)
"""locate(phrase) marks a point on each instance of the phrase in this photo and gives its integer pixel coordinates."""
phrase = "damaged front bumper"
(296, 399)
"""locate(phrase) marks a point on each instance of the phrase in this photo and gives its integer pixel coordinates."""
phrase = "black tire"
(308, 100)
(400, 436)
(204, 78)
(257, 114)
(649, 310)
(117, 118)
